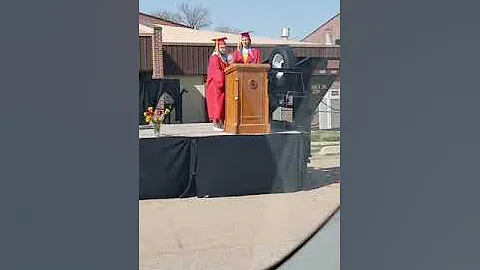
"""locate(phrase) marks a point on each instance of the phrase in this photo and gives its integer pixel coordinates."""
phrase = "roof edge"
(322, 25)
(320, 46)
(170, 21)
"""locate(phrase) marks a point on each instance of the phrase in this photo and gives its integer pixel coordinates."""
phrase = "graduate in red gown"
(245, 53)
(215, 93)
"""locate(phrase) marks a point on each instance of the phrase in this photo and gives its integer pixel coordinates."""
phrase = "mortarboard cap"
(220, 41)
(245, 34)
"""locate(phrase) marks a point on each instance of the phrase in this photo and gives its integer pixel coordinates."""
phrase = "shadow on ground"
(316, 178)
(320, 177)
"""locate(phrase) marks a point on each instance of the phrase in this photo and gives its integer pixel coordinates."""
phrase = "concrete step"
(330, 150)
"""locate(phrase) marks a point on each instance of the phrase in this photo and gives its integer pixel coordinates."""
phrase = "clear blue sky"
(265, 17)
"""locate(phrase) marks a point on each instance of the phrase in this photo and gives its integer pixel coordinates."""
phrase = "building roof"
(150, 20)
(322, 25)
(180, 35)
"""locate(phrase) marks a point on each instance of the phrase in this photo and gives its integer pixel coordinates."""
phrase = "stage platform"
(195, 160)
(194, 130)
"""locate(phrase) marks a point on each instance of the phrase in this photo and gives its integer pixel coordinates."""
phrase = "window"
(328, 38)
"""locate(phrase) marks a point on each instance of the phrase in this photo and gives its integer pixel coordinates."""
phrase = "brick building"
(327, 34)
(328, 112)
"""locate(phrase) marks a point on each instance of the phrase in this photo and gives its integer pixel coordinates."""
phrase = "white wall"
(328, 117)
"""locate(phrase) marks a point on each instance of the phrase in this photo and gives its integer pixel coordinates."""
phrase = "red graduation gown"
(215, 93)
(254, 56)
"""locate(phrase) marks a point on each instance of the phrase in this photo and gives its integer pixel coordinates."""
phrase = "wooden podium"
(246, 99)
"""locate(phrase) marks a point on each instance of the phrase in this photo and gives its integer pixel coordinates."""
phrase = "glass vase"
(157, 128)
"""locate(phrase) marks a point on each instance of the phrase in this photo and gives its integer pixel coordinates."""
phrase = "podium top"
(240, 66)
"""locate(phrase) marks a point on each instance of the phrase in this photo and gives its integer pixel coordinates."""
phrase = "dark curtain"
(227, 166)
(152, 89)
(164, 167)
(221, 165)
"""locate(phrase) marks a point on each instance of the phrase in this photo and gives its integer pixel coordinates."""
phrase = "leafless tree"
(226, 29)
(194, 16)
(170, 16)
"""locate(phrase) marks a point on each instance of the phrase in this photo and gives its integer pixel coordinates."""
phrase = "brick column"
(157, 52)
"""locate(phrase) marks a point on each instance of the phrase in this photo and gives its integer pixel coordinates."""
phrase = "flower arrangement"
(155, 117)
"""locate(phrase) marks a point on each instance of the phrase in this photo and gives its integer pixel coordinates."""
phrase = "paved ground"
(249, 232)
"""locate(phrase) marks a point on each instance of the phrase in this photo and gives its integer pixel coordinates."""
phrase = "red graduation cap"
(245, 34)
(220, 41)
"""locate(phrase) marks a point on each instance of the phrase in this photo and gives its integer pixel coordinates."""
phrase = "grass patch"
(325, 136)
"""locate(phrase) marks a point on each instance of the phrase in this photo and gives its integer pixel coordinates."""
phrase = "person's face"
(222, 48)
(246, 42)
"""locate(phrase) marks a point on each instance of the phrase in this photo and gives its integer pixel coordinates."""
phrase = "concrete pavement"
(248, 232)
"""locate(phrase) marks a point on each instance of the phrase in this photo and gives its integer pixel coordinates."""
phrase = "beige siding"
(193, 101)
